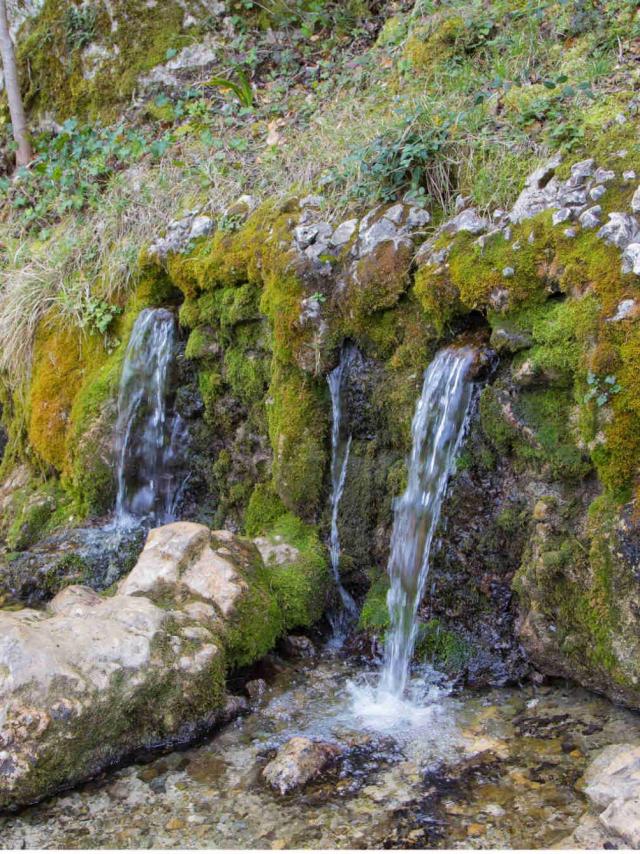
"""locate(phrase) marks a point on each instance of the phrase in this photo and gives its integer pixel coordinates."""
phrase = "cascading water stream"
(148, 434)
(437, 431)
(340, 449)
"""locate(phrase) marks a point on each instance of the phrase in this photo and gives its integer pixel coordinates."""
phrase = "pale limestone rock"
(626, 308)
(603, 175)
(613, 775)
(620, 230)
(583, 169)
(561, 215)
(167, 552)
(612, 785)
(74, 600)
(275, 552)
(591, 217)
(216, 580)
(539, 192)
(631, 259)
(344, 232)
(93, 678)
(467, 220)
(622, 817)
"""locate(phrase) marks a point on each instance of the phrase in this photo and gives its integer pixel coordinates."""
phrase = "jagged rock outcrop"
(91, 679)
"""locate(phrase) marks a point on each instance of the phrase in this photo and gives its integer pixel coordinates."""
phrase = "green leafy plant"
(230, 223)
(241, 87)
(99, 314)
(601, 389)
(72, 168)
(409, 158)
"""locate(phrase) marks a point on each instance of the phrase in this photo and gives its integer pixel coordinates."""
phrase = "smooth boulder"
(93, 679)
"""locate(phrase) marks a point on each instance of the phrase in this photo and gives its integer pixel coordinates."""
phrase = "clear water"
(347, 611)
(498, 768)
(149, 435)
(437, 430)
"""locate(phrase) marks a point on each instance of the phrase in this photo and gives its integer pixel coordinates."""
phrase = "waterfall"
(340, 449)
(149, 435)
(437, 430)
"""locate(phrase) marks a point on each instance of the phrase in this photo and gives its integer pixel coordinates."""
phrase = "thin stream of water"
(148, 434)
(437, 430)
(340, 448)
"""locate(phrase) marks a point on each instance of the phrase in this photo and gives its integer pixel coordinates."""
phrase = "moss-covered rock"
(299, 578)
(62, 360)
(578, 595)
(84, 59)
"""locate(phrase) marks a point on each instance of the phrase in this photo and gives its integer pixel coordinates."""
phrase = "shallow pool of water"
(496, 768)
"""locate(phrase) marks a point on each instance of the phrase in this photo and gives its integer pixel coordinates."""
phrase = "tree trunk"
(24, 154)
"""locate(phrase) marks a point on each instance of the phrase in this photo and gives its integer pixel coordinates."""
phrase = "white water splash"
(148, 437)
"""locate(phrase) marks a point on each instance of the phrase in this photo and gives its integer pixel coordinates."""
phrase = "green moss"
(547, 412)
(428, 45)
(301, 588)
(202, 344)
(297, 418)
(246, 373)
(257, 622)
(280, 597)
(59, 76)
(62, 360)
(263, 510)
(498, 431)
(441, 647)
(32, 510)
(380, 279)
(374, 614)
(210, 385)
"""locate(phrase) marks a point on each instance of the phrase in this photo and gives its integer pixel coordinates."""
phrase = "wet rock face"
(96, 557)
(300, 761)
(92, 680)
(364, 516)
(481, 538)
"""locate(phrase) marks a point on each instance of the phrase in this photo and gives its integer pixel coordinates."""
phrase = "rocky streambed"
(494, 768)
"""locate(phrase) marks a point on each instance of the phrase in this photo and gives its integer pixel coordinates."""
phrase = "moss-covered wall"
(560, 417)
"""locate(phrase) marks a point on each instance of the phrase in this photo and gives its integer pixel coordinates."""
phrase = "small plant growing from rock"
(601, 389)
